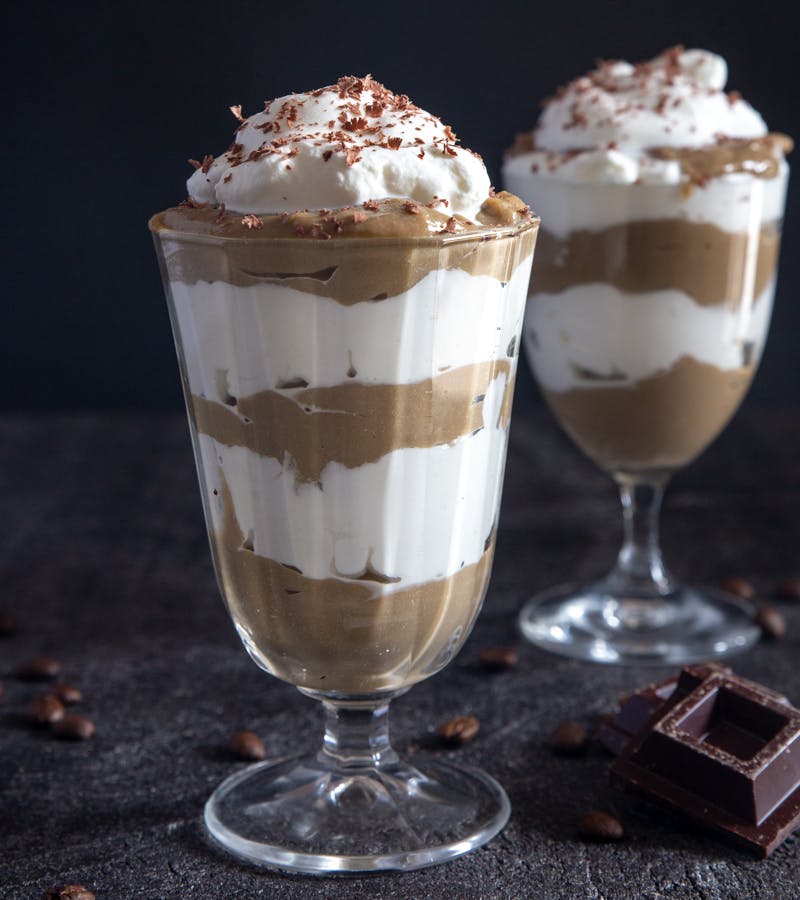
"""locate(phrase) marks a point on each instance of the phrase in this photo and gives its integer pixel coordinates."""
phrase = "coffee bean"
(8, 623)
(46, 709)
(247, 745)
(459, 730)
(499, 658)
(771, 622)
(739, 587)
(787, 590)
(68, 892)
(68, 694)
(600, 826)
(569, 738)
(74, 728)
(39, 668)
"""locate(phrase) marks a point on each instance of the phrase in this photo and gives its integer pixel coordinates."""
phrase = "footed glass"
(647, 316)
(349, 401)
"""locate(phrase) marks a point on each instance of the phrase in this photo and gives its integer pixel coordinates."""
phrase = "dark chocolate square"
(727, 753)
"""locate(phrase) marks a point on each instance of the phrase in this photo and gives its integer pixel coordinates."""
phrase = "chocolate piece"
(726, 753)
(637, 709)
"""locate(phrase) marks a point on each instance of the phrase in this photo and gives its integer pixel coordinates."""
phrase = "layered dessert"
(347, 293)
(662, 197)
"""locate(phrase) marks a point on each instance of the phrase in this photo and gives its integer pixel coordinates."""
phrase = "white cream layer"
(597, 328)
(415, 514)
(241, 340)
(734, 203)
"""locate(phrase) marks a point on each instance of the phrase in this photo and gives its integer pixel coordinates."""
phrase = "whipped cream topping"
(341, 145)
(600, 127)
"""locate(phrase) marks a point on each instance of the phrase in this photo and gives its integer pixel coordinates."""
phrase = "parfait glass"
(349, 402)
(647, 316)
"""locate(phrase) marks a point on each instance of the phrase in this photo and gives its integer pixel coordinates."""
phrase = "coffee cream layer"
(662, 199)
(644, 335)
(351, 400)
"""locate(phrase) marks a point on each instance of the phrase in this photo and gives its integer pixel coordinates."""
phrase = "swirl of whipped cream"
(337, 146)
(599, 127)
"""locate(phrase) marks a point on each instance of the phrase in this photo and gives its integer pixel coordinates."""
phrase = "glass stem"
(356, 735)
(639, 570)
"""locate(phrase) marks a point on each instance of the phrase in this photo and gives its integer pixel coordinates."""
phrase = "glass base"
(599, 624)
(299, 815)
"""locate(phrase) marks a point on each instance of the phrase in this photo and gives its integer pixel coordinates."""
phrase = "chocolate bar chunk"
(637, 709)
(727, 753)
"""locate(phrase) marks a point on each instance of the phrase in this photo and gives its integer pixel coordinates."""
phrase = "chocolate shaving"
(317, 231)
(236, 109)
(451, 226)
(189, 203)
(252, 221)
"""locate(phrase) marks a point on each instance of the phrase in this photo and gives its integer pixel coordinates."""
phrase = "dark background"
(106, 102)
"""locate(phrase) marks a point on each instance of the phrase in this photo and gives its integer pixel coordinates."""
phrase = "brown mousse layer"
(710, 265)
(755, 156)
(355, 423)
(663, 421)
(338, 635)
(406, 241)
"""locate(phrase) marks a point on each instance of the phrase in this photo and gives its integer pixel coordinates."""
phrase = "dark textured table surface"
(104, 559)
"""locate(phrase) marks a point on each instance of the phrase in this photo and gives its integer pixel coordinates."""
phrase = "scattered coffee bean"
(46, 709)
(74, 728)
(499, 658)
(39, 668)
(8, 623)
(68, 694)
(787, 590)
(600, 826)
(68, 892)
(247, 745)
(739, 587)
(771, 622)
(569, 738)
(459, 730)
